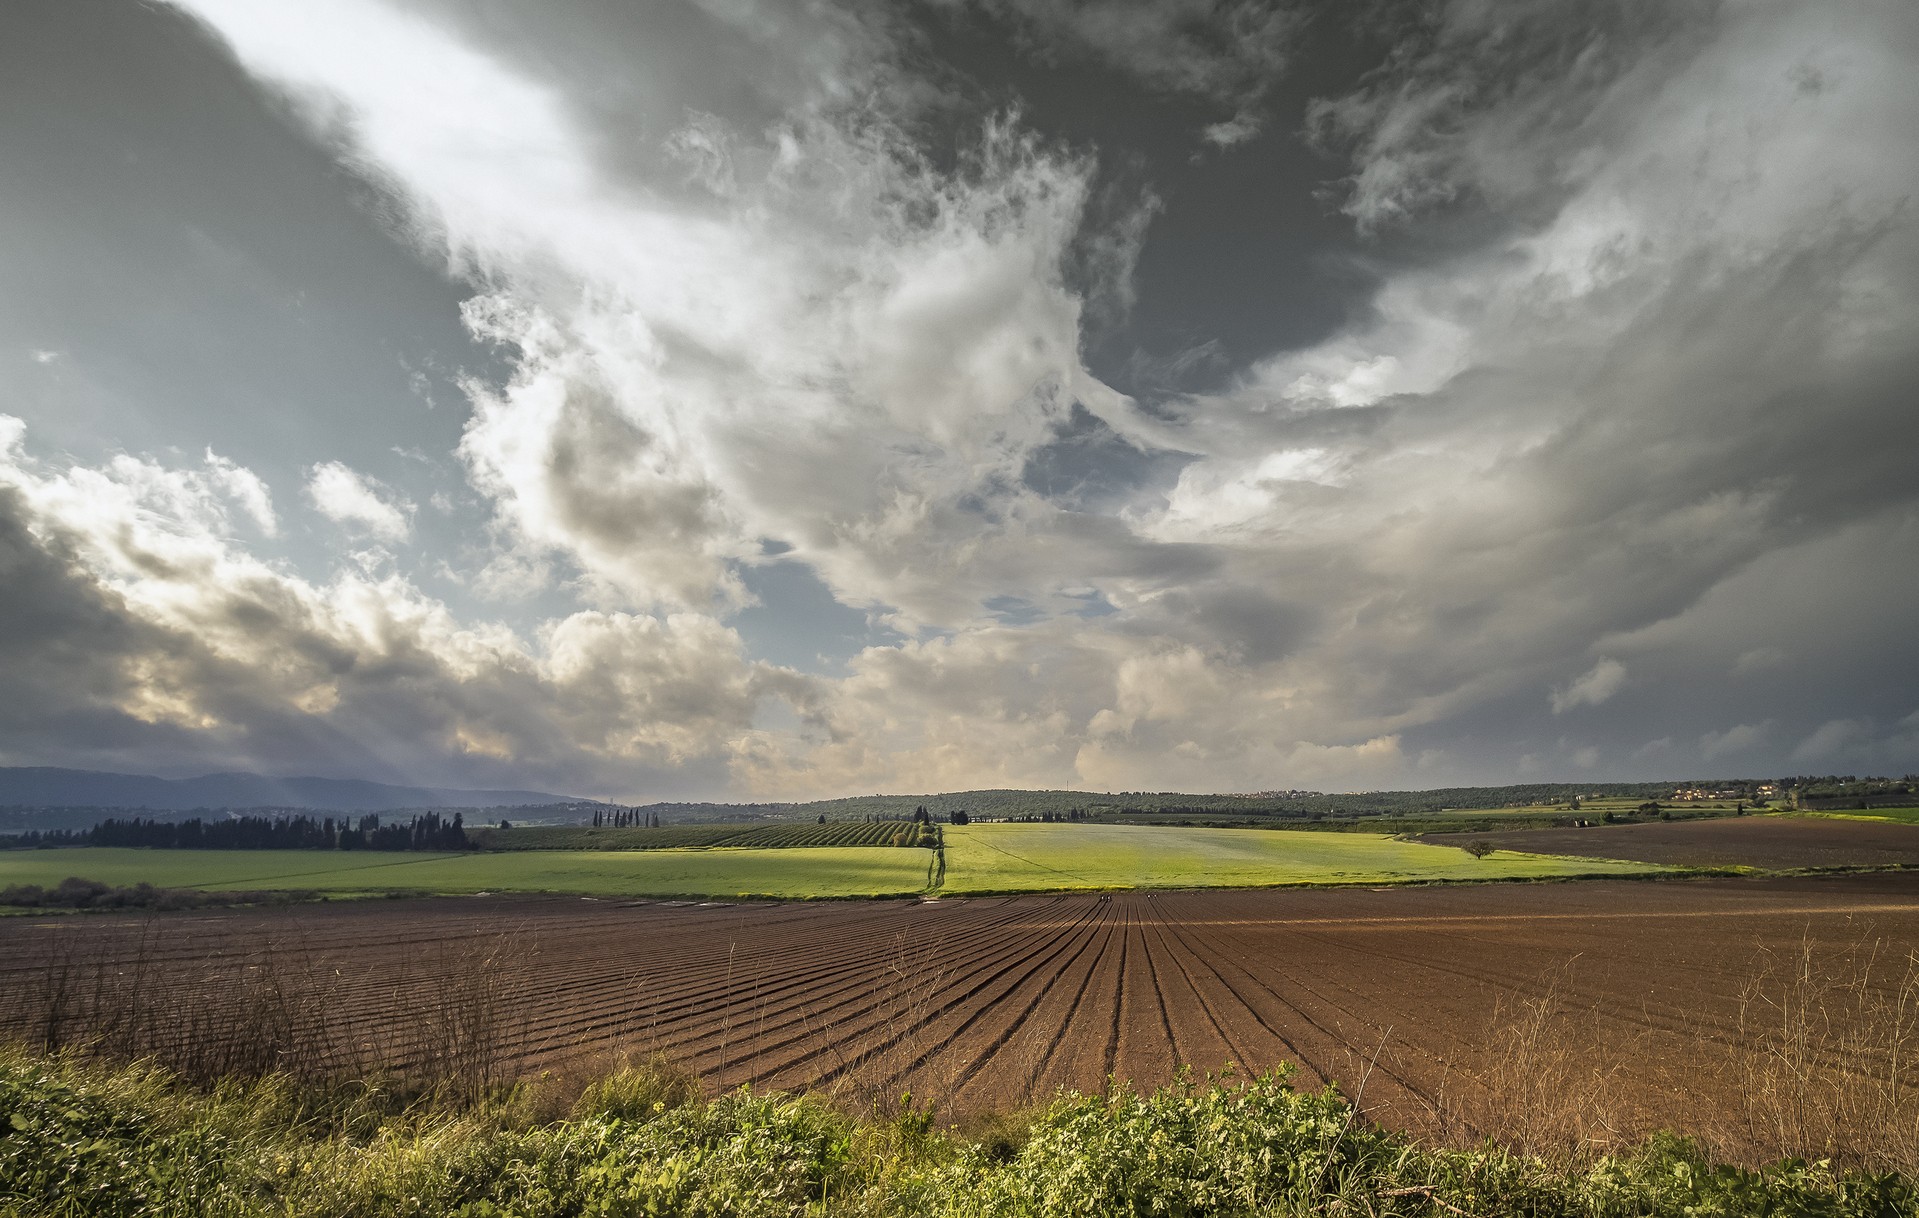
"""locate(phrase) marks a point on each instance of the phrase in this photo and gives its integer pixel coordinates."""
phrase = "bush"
(78, 1139)
(638, 1093)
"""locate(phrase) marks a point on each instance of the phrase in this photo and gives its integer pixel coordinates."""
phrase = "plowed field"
(1771, 842)
(978, 1003)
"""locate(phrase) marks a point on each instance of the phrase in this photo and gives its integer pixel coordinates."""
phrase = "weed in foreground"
(79, 1138)
(1829, 1060)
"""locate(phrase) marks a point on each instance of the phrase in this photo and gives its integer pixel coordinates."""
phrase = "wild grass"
(77, 1138)
(249, 1094)
(1819, 1063)
(1830, 1067)
(268, 1011)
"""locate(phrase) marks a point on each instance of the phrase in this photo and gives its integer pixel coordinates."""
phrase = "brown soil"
(1771, 842)
(971, 1004)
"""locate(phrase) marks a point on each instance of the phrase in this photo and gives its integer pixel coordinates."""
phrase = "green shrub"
(82, 1140)
(638, 1093)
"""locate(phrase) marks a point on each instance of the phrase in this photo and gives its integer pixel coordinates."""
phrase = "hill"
(50, 787)
(994, 804)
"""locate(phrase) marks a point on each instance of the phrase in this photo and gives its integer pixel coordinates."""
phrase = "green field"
(797, 872)
(1902, 816)
(778, 835)
(979, 858)
(1593, 809)
(1007, 857)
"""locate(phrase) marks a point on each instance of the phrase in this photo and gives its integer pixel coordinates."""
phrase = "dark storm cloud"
(1229, 52)
(1513, 390)
(186, 271)
(213, 277)
(63, 645)
(1483, 110)
(1242, 255)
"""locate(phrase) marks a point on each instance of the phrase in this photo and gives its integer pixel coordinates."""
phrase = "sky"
(781, 399)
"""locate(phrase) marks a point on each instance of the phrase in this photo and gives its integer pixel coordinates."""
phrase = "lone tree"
(1478, 849)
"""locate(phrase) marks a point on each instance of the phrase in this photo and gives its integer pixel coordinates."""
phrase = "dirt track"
(1772, 842)
(988, 1002)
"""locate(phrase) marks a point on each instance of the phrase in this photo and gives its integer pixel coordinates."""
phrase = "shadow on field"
(1820, 1059)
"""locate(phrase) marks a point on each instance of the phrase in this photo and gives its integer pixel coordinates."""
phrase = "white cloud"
(1602, 682)
(732, 329)
(842, 349)
(1833, 739)
(1742, 738)
(1757, 660)
(1234, 131)
(245, 488)
(352, 499)
(190, 638)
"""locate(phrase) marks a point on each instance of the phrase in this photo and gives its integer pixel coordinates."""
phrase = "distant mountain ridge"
(1013, 802)
(51, 787)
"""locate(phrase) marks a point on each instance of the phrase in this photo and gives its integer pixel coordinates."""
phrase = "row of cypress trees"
(426, 831)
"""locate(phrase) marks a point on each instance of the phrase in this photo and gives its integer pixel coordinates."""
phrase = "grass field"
(797, 872)
(1902, 816)
(979, 858)
(1007, 857)
(1594, 809)
(689, 837)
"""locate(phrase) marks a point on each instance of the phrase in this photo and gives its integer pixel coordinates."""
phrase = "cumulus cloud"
(835, 345)
(143, 633)
(1597, 685)
(1832, 740)
(746, 312)
(347, 497)
(1522, 459)
(1742, 738)
(1235, 130)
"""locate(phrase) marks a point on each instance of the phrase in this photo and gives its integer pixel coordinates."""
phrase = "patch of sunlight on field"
(792, 872)
(1011, 857)
(1900, 816)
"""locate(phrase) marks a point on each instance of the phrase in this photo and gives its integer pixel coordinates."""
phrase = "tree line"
(625, 818)
(427, 831)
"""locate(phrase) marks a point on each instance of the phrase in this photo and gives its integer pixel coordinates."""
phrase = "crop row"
(1580, 1011)
(687, 837)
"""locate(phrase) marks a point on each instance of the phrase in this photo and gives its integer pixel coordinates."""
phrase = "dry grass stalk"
(1543, 1091)
(1828, 1065)
(268, 1011)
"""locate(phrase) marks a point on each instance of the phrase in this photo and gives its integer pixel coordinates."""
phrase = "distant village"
(1807, 792)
